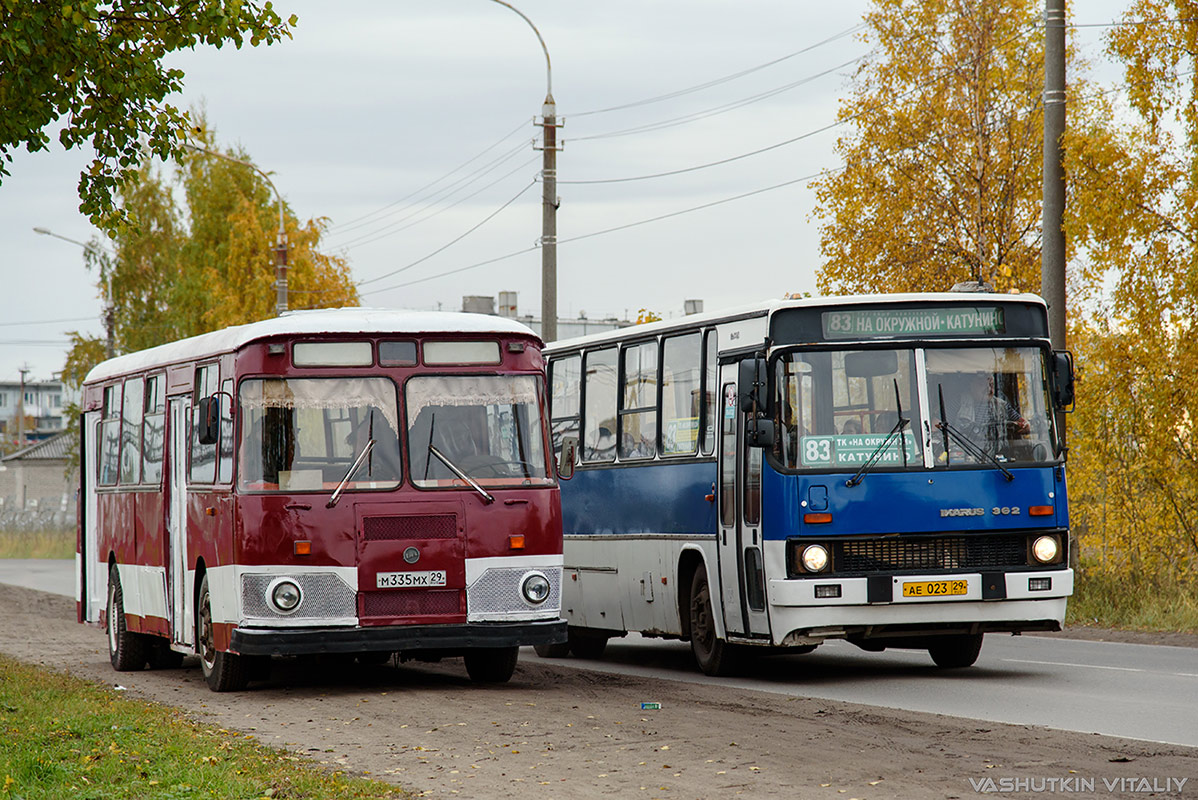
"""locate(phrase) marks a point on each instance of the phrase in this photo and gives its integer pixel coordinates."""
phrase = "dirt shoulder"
(559, 732)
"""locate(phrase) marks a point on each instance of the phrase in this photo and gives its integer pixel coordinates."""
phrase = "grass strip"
(37, 544)
(64, 737)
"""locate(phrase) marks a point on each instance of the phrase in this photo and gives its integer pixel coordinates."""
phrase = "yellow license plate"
(935, 588)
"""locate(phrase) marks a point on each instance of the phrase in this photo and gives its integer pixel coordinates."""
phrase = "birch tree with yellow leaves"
(941, 182)
(1134, 220)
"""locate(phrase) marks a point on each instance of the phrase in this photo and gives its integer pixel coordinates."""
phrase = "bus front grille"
(973, 552)
(415, 526)
(412, 602)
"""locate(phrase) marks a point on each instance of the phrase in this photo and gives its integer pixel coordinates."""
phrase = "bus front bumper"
(395, 638)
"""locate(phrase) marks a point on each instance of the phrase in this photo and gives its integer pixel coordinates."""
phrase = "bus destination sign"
(861, 323)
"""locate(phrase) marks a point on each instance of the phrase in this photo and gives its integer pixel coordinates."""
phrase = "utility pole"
(548, 195)
(1052, 258)
(21, 410)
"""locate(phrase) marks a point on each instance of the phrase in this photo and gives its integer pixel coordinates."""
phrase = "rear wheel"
(713, 655)
(955, 652)
(492, 664)
(556, 650)
(585, 644)
(224, 672)
(127, 651)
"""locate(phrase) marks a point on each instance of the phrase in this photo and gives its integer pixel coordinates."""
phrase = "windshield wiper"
(353, 468)
(877, 453)
(968, 445)
(456, 470)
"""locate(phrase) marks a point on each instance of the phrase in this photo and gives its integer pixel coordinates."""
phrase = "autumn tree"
(96, 69)
(1134, 191)
(177, 271)
(941, 182)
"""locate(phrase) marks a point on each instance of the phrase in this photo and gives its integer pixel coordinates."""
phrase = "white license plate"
(401, 580)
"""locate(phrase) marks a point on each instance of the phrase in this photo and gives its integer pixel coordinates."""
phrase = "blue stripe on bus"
(657, 497)
(911, 502)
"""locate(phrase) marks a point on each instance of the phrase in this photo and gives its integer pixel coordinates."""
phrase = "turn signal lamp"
(516, 541)
(1040, 511)
(817, 518)
(303, 548)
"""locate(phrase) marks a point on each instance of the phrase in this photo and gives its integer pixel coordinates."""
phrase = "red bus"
(347, 481)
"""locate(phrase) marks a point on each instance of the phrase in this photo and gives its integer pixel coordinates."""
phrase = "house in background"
(42, 401)
(36, 485)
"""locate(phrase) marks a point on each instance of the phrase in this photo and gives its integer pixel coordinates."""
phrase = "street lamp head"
(42, 231)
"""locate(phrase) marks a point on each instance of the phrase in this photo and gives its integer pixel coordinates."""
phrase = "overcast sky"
(409, 123)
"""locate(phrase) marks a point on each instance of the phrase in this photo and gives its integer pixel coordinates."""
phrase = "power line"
(392, 229)
(50, 321)
(351, 224)
(724, 79)
(454, 271)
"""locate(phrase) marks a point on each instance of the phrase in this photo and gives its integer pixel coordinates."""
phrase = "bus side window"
(638, 407)
(681, 395)
(710, 415)
(599, 412)
(226, 433)
(110, 437)
(153, 430)
(203, 456)
(565, 378)
(131, 424)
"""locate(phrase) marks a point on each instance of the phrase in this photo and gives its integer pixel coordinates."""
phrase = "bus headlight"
(285, 595)
(814, 558)
(1046, 549)
(535, 588)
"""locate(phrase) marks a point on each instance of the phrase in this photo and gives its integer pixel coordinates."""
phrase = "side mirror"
(1062, 380)
(754, 394)
(208, 425)
(759, 432)
(565, 462)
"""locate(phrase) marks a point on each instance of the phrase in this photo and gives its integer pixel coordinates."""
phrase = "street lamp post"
(281, 242)
(109, 316)
(549, 201)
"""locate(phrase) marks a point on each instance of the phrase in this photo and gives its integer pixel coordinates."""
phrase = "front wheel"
(127, 651)
(491, 664)
(224, 672)
(713, 655)
(955, 652)
(587, 644)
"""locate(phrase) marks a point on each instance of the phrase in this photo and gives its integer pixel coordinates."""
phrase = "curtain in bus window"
(131, 419)
(489, 427)
(566, 378)
(638, 409)
(599, 413)
(681, 395)
(305, 434)
(153, 430)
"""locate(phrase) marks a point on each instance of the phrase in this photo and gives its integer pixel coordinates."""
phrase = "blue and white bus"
(884, 469)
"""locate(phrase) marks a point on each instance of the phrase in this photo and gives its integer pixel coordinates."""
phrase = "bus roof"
(770, 306)
(305, 323)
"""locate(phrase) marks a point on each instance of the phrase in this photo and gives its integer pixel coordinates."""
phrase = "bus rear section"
(357, 484)
(886, 470)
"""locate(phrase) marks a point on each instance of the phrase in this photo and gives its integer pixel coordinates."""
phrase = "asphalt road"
(1135, 691)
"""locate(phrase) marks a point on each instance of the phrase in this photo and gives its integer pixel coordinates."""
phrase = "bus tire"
(556, 650)
(713, 655)
(127, 651)
(491, 664)
(955, 652)
(587, 645)
(224, 672)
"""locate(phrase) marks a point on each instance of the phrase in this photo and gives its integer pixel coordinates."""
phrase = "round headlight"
(535, 588)
(1046, 549)
(285, 596)
(815, 558)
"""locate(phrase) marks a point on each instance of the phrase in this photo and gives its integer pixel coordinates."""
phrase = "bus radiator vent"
(412, 603)
(415, 526)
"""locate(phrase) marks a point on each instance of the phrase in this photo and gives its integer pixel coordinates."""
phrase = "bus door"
(94, 581)
(742, 571)
(176, 521)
